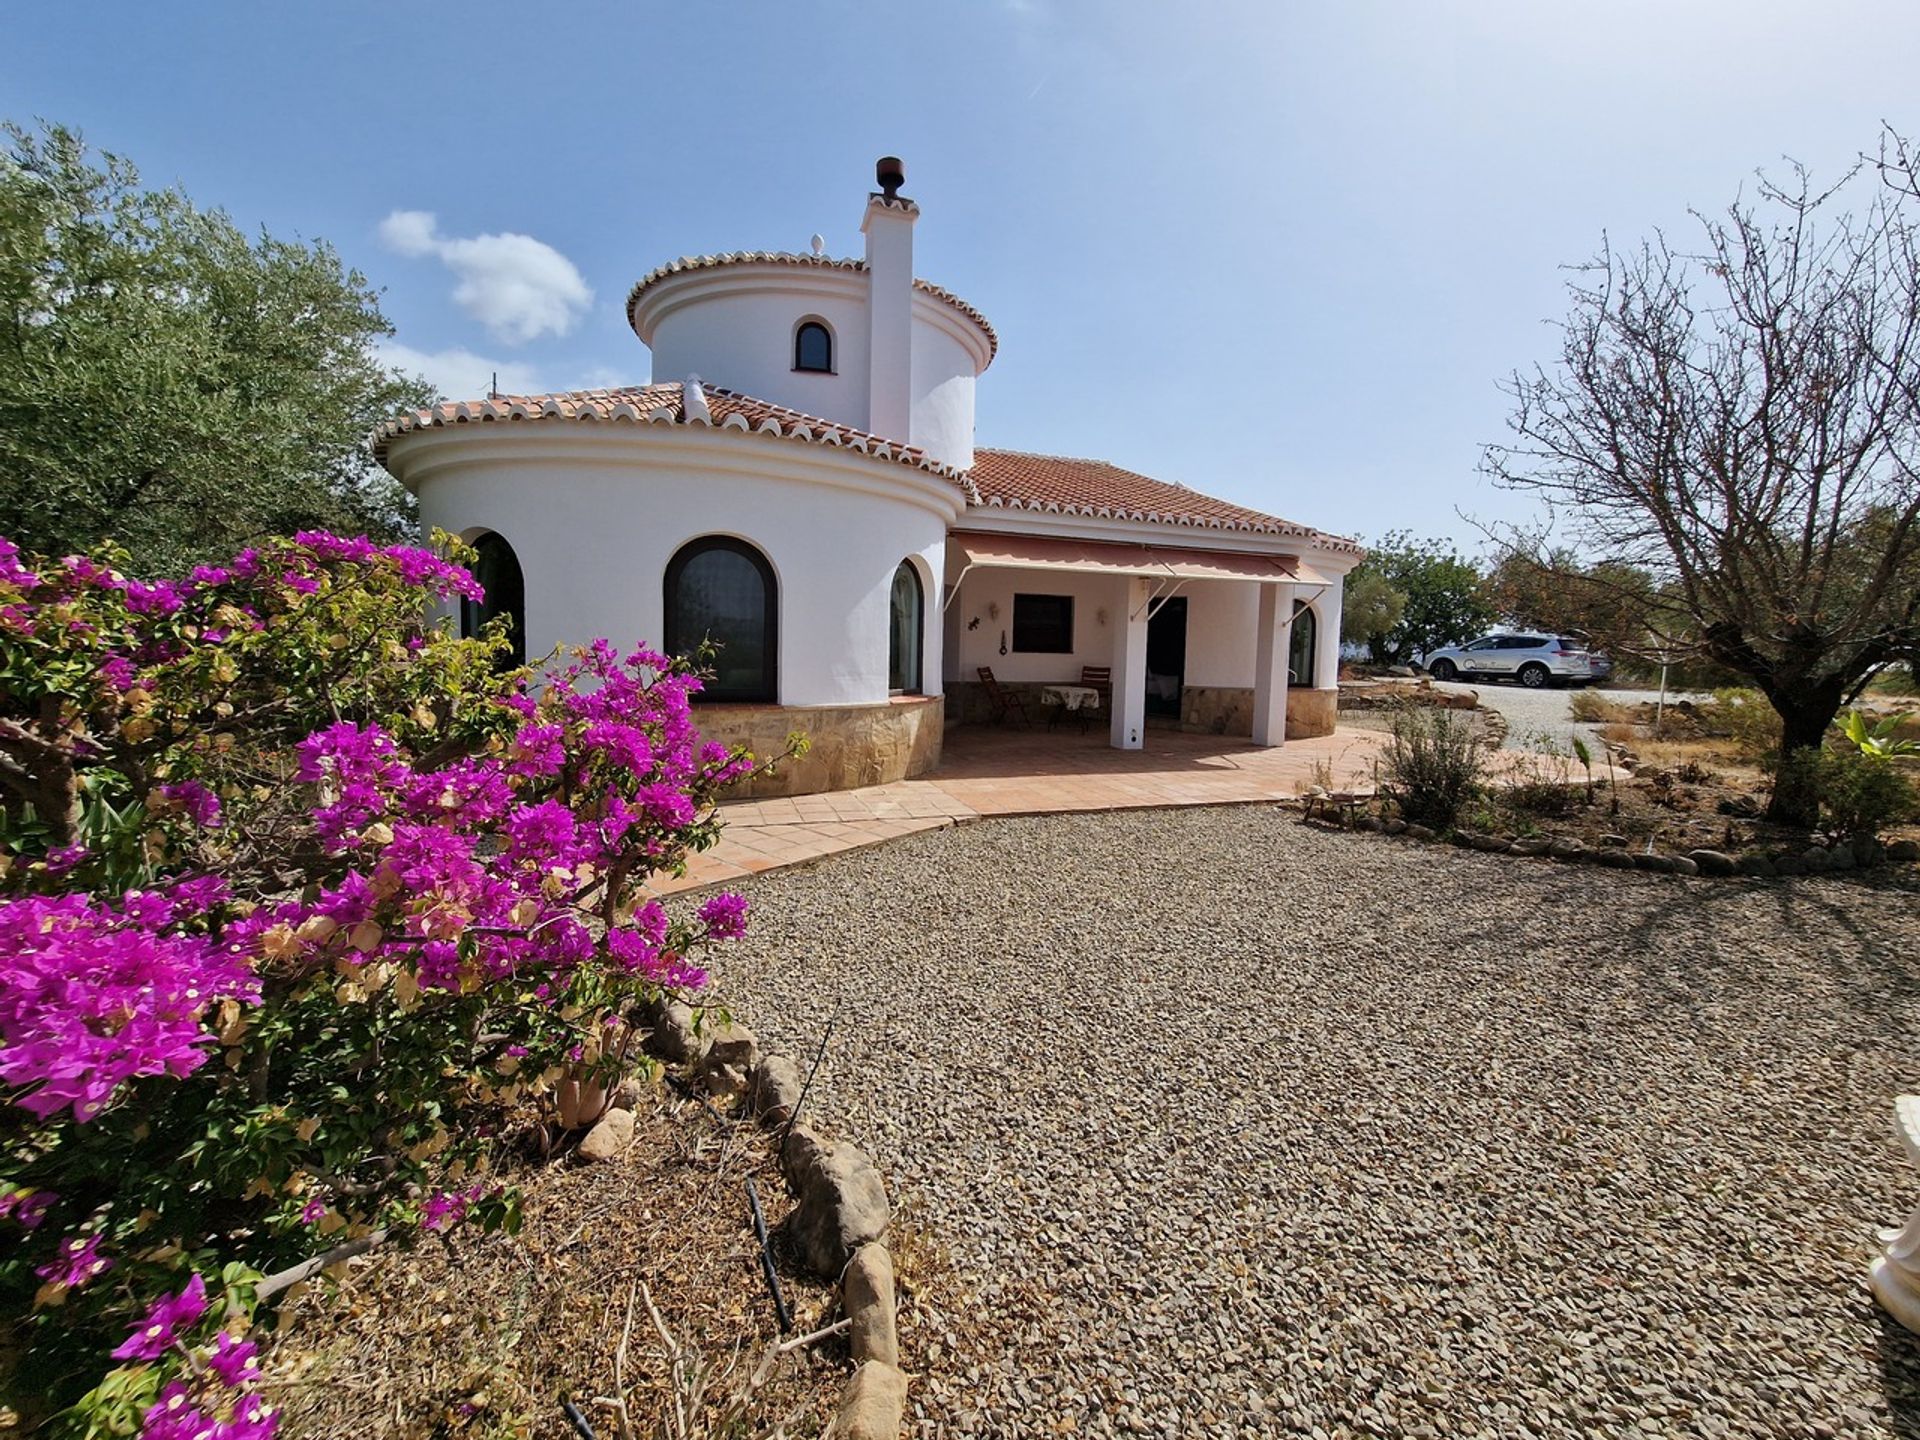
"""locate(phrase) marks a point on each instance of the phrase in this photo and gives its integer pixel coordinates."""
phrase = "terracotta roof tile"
(824, 262)
(1061, 485)
(659, 404)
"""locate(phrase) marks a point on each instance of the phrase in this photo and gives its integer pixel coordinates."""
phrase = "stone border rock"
(839, 1221)
(1754, 864)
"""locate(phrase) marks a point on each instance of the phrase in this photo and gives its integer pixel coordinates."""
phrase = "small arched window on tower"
(497, 569)
(813, 347)
(1305, 647)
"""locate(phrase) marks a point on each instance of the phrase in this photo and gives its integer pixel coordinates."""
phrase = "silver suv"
(1535, 661)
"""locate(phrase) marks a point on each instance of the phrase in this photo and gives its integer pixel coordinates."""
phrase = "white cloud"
(459, 374)
(520, 288)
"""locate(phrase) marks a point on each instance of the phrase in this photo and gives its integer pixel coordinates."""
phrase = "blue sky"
(1281, 253)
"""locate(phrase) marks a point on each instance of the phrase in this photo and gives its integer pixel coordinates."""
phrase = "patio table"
(1069, 700)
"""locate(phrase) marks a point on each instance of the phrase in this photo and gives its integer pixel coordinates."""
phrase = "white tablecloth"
(1073, 697)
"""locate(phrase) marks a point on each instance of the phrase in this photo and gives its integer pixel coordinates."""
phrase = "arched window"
(903, 632)
(722, 590)
(497, 569)
(813, 347)
(1305, 637)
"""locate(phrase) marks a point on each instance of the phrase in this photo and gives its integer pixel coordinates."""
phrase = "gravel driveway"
(1234, 1127)
(1541, 719)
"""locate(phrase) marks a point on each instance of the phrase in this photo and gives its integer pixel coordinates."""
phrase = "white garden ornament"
(1895, 1276)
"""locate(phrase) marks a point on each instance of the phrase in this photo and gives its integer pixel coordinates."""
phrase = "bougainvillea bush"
(306, 905)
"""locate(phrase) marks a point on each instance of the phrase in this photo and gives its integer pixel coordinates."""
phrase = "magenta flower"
(234, 1361)
(725, 916)
(155, 1334)
(91, 998)
(76, 1262)
(199, 803)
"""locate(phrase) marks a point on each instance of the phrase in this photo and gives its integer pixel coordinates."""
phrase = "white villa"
(807, 492)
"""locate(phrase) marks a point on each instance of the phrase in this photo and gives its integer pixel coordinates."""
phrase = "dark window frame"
(1302, 611)
(800, 333)
(767, 691)
(916, 683)
(490, 548)
(1042, 649)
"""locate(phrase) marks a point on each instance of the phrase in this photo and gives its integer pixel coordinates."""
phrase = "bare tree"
(1742, 422)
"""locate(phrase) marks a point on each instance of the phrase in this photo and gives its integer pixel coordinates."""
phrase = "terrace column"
(1326, 660)
(1273, 637)
(1130, 665)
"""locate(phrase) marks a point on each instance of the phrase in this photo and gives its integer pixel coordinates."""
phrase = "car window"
(1571, 642)
(1519, 642)
(1486, 644)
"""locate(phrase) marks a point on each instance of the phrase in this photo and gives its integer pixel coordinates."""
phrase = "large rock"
(1758, 865)
(1714, 862)
(1789, 865)
(1531, 845)
(1660, 864)
(1816, 859)
(727, 1067)
(1905, 851)
(607, 1139)
(866, 1292)
(842, 1201)
(1684, 866)
(1841, 858)
(1492, 844)
(776, 1089)
(1615, 859)
(873, 1403)
(1420, 832)
(1566, 847)
(672, 1036)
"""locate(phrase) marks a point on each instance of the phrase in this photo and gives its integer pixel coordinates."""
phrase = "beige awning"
(1153, 562)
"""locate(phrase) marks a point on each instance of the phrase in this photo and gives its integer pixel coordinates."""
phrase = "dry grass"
(482, 1336)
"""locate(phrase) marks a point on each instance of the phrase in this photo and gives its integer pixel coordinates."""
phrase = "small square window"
(1043, 624)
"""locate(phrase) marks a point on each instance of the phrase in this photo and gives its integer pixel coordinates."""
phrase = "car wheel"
(1444, 670)
(1534, 677)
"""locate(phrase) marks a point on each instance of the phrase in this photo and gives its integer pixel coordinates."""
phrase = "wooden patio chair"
(1099, 677)
(1004, 703)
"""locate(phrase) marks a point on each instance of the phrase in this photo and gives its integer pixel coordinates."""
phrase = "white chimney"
(888, 227)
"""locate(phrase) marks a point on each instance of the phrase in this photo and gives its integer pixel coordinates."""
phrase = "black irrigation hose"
(577, 1420)
(766, 1260)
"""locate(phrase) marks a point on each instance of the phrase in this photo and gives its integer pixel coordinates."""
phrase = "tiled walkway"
(989, 771)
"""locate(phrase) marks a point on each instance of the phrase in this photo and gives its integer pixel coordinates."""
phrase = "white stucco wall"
(1221, 617)
(1093, 641)
(733, 326)
(740, 335)
(594, 514)
(944, 372)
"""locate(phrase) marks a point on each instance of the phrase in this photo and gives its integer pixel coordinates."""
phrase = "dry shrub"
(1743, 717)
(1433, 765)
(1592, 708)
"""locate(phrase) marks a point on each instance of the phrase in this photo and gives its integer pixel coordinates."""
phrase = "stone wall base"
(852, 745)
(1228, 710)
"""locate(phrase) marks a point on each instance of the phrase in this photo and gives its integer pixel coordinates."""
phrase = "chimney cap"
(891, 173)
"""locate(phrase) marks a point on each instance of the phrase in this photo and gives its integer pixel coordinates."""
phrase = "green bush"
(1433, 765)
(1861, 795)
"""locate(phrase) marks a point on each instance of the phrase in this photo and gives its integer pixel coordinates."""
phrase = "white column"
(1130, 665)
(1273, 636)
(1326, 660)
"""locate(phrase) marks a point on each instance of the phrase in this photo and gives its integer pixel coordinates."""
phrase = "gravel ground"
(1235, 1127)
(1537, 719)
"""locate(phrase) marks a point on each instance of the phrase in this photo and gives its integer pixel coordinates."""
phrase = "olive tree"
(1739, 419)
(170, 382)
